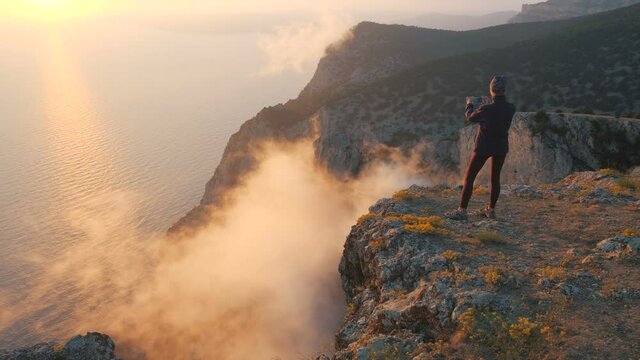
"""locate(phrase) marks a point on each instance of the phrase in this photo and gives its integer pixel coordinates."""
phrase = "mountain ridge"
(458, 22)
(562, 9)
(535, 62)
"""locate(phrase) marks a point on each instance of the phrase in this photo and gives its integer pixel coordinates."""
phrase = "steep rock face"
(278, 123)
(349, 140)
(92, 346)
(561, 9)
(547, 147)
(394, 279)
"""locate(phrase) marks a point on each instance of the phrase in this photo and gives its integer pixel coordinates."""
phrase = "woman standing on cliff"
(492, 141)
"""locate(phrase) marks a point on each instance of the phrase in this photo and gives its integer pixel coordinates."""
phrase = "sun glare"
(54, 10)
(49, 3)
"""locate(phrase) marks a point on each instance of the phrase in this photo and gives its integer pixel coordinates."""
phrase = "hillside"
(369, 90)
(459, 22)
(424, 104)
(562, 9)
(370, 52)
(541, 282)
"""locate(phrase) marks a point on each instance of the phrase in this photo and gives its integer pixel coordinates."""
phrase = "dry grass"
(378, 243)
(351, 308)
(583, 192)
(609, 287)
(366, 217)
(448, 192)
(609, 172)
(553, 273)
(451, 255)
(545, 186)
(407, 195)
(425, 225)
(492, 275)
(630, 233)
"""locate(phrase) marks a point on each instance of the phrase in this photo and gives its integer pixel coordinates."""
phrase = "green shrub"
(628, 183)
(521, 339)
(490, 238)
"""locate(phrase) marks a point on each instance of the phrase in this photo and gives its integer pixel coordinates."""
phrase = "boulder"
(92, 346)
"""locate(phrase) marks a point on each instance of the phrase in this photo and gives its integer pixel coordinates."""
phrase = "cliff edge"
(555, 277)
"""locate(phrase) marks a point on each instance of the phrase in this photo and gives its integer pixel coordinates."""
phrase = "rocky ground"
(92, 346)
(555, 277)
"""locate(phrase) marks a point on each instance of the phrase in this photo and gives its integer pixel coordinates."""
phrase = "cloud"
(299, 45)
(259, 282)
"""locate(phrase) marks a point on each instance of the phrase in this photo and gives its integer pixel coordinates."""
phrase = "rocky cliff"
(561, 9)
(92, 346)
(553, 278)
(545, 148)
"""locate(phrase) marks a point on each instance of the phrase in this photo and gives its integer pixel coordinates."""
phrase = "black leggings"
(475, 165)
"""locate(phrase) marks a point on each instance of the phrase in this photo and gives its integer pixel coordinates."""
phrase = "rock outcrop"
(422, 287)
(92, 346)
(562, 9)
(545, 148)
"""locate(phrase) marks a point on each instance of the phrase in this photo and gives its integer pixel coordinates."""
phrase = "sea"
(98, 115)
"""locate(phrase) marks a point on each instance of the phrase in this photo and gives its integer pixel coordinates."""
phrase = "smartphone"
(477, 101)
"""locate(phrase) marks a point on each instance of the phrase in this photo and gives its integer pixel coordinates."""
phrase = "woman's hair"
(498, 85)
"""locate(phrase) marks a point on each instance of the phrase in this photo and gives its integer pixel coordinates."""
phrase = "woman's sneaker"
(487, 212)
(458, 215)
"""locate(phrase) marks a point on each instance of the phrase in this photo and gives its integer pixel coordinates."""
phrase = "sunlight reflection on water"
(87, 115)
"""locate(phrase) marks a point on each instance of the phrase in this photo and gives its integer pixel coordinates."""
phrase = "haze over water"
(91, 110)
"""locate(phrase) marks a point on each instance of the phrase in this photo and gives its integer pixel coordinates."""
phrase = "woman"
(492, 141)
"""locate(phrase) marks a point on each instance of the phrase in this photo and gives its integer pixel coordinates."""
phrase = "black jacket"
(495, 121)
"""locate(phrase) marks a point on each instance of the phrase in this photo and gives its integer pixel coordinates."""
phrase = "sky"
(63, 9)
(222, 6)
(292, 35)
